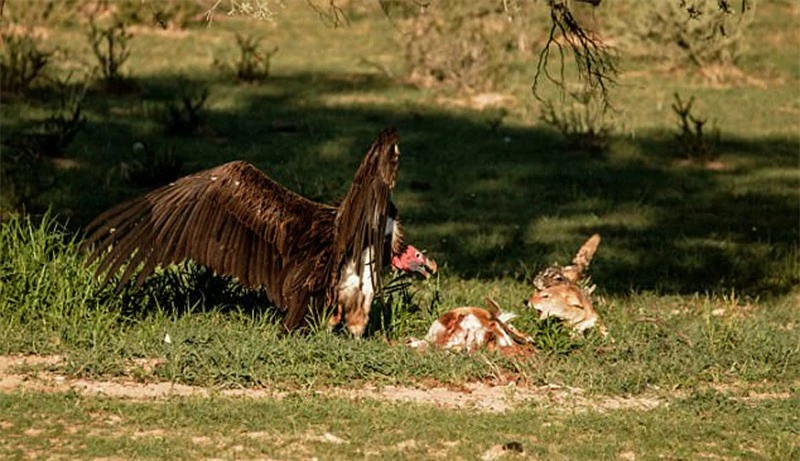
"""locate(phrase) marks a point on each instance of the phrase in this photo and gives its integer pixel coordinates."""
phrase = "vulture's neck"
(352, 280)
(393, 234)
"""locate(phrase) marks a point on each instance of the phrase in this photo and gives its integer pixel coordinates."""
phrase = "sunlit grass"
(302, 425)
(223, 336)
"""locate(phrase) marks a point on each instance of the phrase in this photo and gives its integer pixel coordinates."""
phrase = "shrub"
(583, 123)
(151, 168)
(698, 33)
(253, 64)
(111, 48)
(22, 62)
(167, 14)
(460, 45)
(39, 13)
(185, 115)
(693, 141)
(52, 136)
(27, 171)
(260, 10)
(60, 128)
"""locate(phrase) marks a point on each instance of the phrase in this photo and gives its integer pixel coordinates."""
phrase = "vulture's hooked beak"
(413, 261)
(427, 267)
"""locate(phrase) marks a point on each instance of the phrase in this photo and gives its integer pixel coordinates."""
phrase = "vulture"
(237, 221)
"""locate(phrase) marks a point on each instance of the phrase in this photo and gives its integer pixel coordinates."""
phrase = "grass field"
(302, 426)
(698, 271)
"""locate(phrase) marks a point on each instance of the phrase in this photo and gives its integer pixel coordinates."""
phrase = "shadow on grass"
(487, 201)
(188, 287)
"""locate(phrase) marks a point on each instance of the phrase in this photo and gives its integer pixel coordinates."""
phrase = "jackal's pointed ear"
(586, 253)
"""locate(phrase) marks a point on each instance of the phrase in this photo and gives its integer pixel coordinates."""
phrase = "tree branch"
(595, 63)
(334, 16)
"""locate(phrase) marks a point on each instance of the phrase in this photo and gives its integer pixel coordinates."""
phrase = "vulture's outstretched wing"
(233, 219)
(362, 215)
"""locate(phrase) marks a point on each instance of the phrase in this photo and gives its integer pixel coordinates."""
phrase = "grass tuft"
(47, 297)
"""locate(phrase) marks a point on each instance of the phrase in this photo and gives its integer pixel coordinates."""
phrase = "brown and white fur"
(565, 292)
(568, 302)
(471, 328)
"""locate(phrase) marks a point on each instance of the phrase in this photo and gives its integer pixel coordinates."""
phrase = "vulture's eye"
(418, 255)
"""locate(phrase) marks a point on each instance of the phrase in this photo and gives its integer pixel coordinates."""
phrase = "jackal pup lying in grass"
(565, 292)
(471, 328)
(561, 292)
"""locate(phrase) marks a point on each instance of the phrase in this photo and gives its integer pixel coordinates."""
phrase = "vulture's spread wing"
(362, 215)
(233, 219)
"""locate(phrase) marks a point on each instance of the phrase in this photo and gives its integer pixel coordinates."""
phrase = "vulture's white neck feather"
(352, 281)
(389, 227)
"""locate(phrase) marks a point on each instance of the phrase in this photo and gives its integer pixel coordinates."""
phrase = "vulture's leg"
(356, 314)
(336, 316)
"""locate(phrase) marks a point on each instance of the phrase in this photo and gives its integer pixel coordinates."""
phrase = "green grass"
(701, 425)
(697, 272)
(222, 336)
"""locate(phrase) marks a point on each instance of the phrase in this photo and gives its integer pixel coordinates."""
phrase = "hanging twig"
(594, 60)
(334, 16)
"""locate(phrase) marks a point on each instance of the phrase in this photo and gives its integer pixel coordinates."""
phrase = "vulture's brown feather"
(362, 217)
(239, 222)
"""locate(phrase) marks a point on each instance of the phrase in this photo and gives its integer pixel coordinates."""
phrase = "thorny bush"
(253, 64)
(462, 45)
(111, 47)
(582, 120)
(22, 62)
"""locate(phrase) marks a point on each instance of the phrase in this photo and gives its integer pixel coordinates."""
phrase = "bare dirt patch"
(9, 362)
(355, 99)
(478, 396)
(478, 102)
(753, 393)
(502, 398)
(474, 396)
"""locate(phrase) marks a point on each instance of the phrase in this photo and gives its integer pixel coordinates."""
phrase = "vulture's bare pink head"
(413, 261)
